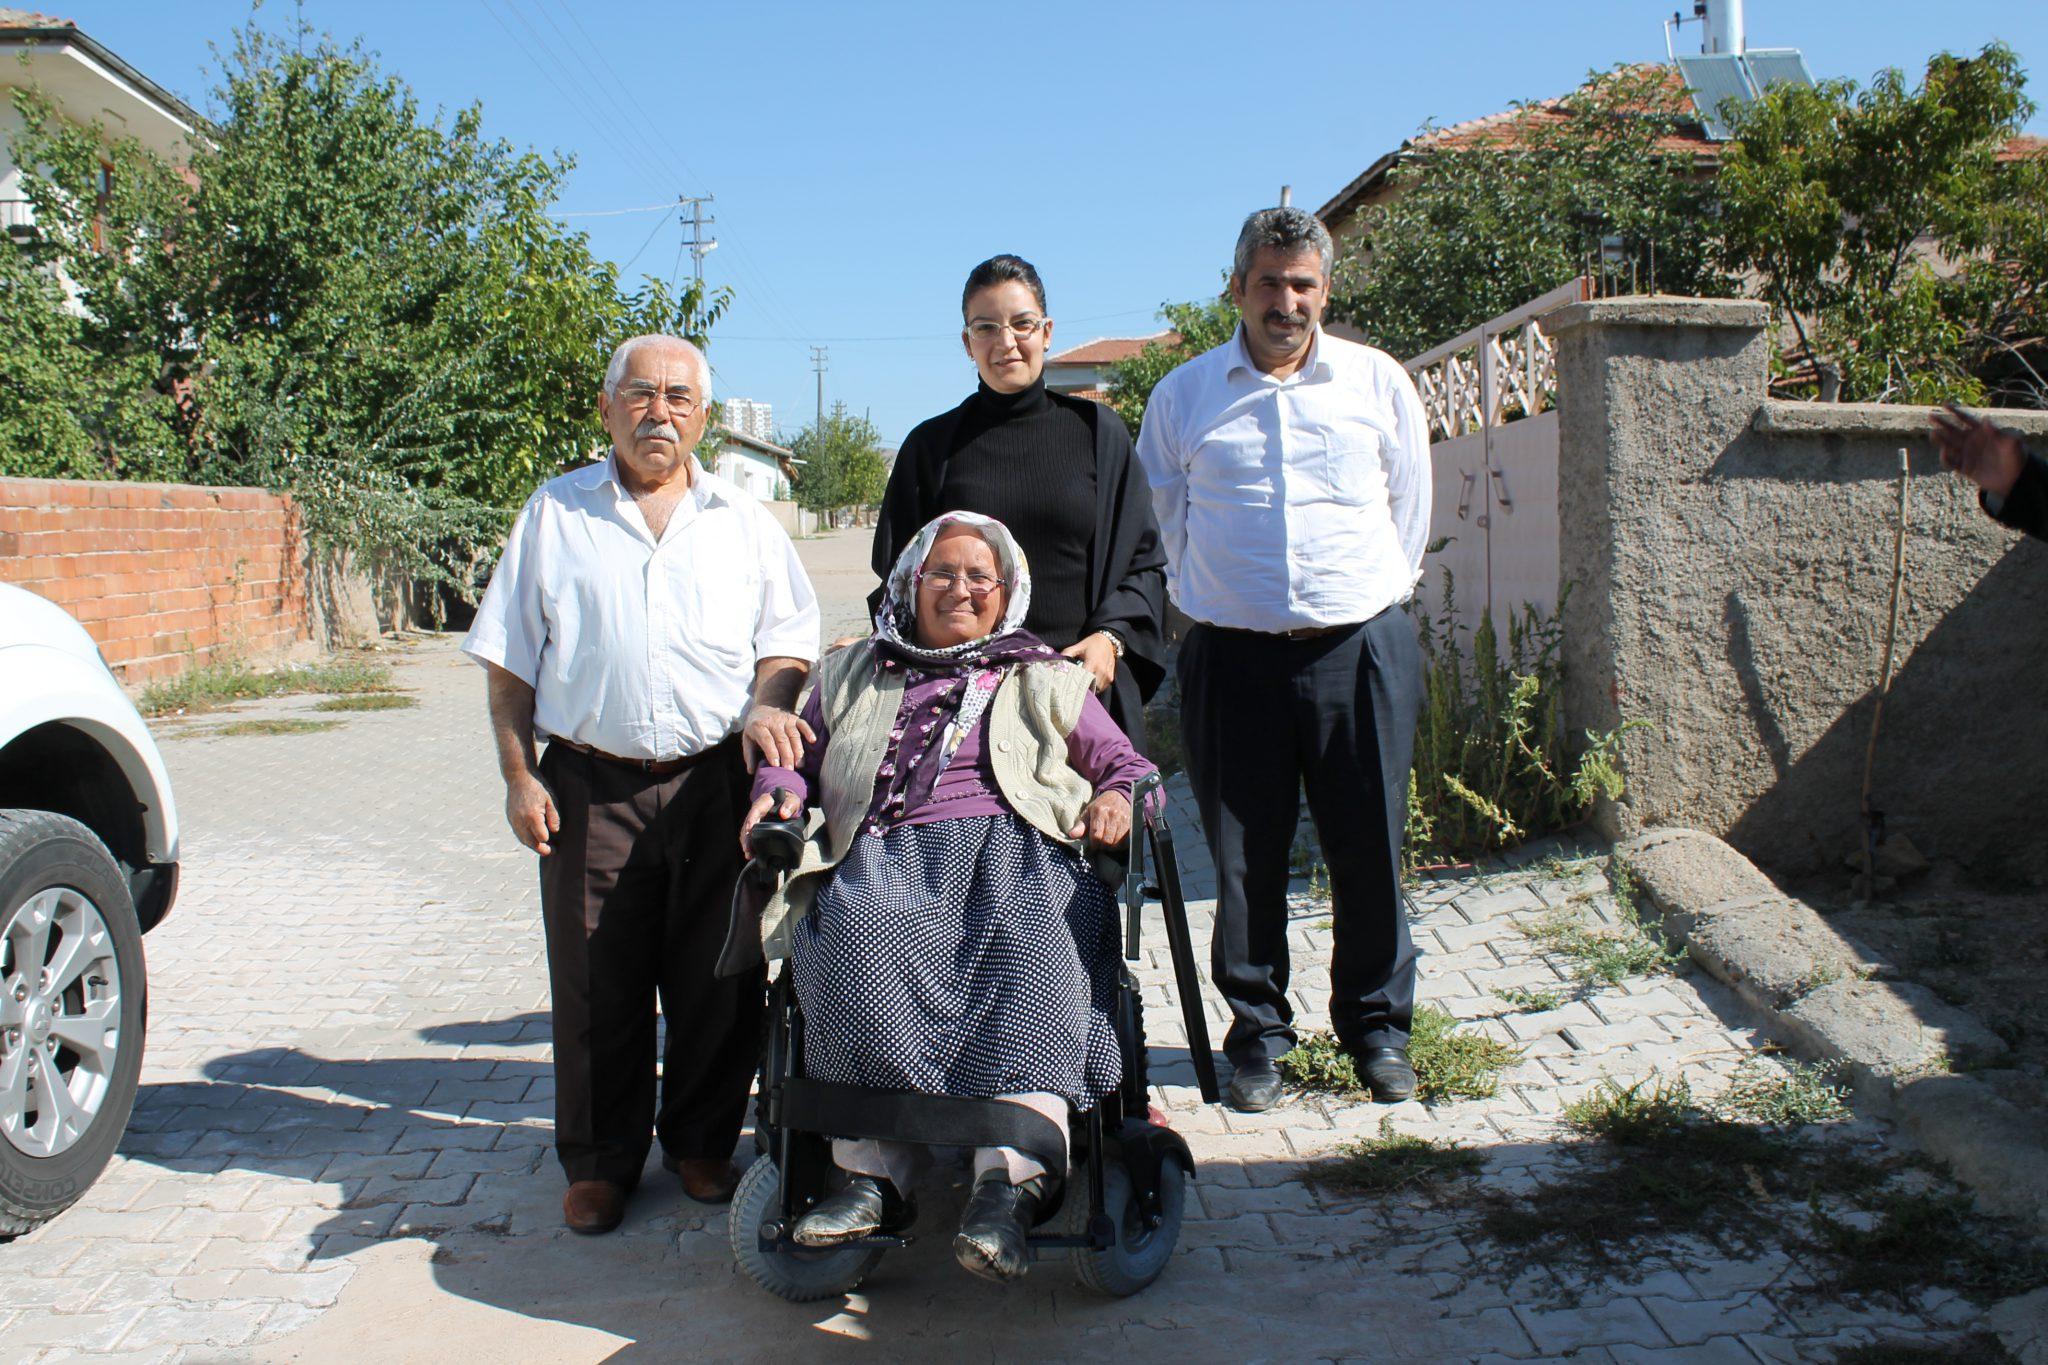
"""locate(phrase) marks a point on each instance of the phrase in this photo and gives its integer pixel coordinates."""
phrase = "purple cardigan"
(1096, 749)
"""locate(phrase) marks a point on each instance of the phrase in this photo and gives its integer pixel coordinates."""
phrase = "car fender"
(41, 684)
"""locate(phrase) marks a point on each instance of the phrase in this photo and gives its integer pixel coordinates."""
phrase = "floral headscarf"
(975, 668)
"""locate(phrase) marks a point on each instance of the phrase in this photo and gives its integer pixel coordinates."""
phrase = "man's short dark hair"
(1289, 230)
(999, 270)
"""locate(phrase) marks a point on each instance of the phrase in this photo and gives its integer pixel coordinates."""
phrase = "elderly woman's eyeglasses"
(979, 585)
(986, 331)
(641, 396)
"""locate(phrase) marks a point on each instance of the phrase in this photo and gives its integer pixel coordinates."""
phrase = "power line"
(665, 205)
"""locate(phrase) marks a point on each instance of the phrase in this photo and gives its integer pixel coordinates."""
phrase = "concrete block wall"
(162, 575)
(1730, 559)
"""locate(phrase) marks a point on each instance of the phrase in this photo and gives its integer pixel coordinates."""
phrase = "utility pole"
(700, 246)
(818, 363)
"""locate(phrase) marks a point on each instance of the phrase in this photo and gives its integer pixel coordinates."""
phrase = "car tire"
(62, 895)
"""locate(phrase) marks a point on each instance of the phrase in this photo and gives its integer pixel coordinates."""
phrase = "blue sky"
(865, 156)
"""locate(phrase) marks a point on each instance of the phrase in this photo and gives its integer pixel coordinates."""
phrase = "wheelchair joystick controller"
(778, 844)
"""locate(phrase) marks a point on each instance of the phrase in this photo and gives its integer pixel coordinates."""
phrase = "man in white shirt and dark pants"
(1290, 471)
(644, 612)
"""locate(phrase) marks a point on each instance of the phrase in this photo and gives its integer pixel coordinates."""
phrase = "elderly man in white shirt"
(644, 613)
(1290, 472)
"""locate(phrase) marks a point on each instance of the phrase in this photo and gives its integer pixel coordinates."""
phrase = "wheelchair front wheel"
(797, 1274)
(1142, 1249)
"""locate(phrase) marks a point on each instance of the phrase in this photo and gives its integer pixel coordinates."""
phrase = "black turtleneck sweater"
(1030, 463)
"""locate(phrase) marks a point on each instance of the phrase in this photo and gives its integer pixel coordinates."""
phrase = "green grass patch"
(1604, 954)
(222, 682)
(1662, 1167)
(1525, 1000)
(273, 727)
(1451, 1062)
(1908, 1239)
(1792, 1092)
(1393, 1161)
(369, 701)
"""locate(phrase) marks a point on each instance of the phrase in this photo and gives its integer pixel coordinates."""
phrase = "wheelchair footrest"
(854, 1111)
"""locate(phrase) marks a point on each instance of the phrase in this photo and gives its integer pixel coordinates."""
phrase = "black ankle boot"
(995, 1224)
(866, 1206)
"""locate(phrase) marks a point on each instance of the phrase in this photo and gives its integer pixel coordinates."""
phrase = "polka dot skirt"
(971, 957)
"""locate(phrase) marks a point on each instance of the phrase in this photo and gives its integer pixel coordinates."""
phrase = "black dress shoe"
(1254, 1086)
(995, 1226)
(1388, 1072)
(866, 1206)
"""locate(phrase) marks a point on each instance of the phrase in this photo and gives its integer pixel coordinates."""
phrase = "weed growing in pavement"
(1789, 1092)
(1318, 1064)
(1451, 1063)
(1634, 1114)
(1663, 1167)
(1604, 953)
(368, 701)
(1393, 1161)
(272, 727)
(1324, 924)
(1535, 1002)
(216, 684)
(1907, 1239)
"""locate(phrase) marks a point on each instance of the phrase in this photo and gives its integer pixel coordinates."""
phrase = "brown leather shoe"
(593, 1206)
(706, 1179)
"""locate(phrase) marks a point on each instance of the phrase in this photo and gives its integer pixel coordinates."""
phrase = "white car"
(88, 864)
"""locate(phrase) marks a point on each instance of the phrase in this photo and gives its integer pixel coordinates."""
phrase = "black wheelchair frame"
(1133, 1166)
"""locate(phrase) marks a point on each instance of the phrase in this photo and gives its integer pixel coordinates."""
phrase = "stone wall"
(167, 575)
(1731, 563)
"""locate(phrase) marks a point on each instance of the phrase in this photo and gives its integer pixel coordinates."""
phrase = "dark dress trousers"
(1265, 719)
(636, 897)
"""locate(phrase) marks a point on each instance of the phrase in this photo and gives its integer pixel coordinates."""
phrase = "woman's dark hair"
(997, 270)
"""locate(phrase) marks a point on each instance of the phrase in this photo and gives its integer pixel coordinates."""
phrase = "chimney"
(1722, 26)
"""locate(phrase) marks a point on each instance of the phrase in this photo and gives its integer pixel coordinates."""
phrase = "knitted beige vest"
(1033, 711)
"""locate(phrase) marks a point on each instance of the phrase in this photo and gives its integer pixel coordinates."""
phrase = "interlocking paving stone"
(345, 1123)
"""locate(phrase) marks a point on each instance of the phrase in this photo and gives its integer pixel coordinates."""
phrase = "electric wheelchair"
(1129, 1168)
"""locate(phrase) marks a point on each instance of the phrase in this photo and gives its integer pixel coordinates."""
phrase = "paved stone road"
(341, 1146)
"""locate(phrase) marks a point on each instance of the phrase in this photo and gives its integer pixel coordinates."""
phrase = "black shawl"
(1126, 567)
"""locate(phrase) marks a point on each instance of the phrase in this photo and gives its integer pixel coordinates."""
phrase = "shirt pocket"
(719, 612)
(1352, 464)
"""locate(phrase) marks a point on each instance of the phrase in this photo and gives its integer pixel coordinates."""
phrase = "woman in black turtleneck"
(1058, 471)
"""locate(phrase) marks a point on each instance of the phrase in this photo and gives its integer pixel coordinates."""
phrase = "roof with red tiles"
(1109, 350)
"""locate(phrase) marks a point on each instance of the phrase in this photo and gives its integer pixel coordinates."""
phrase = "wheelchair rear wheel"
(796, 1274)
(1142, 1249)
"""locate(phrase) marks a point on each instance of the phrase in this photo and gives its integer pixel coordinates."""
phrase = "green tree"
(46, 384)
(1832, 196)
(1198, 327)
(1470, 232)
(356, 302)
(842, 462)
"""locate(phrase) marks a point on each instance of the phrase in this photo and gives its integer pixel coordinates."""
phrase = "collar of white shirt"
(1240, 359)
(706, 489)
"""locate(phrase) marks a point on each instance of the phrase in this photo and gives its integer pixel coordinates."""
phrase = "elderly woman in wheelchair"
(944, 933)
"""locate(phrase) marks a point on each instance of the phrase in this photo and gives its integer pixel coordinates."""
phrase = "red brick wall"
(162, 575)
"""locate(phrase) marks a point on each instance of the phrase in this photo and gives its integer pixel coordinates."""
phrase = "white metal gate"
(1491, 395)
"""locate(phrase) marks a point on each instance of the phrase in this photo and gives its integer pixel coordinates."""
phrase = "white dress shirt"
(638, 647)
(1289, 503)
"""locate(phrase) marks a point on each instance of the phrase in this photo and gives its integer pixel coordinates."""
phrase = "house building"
(87, 84)
(763, 469)
(1083, 370)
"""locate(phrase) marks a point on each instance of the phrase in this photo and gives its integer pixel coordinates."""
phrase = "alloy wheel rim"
(60, 1020)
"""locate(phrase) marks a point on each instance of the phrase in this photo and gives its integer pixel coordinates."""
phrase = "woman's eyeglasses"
(985, 331)
(979, 585)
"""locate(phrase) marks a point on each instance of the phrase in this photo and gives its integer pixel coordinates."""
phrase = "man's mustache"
(1298, 319)
(650, 428)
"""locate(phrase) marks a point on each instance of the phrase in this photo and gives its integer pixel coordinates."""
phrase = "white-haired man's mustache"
(649, 429)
